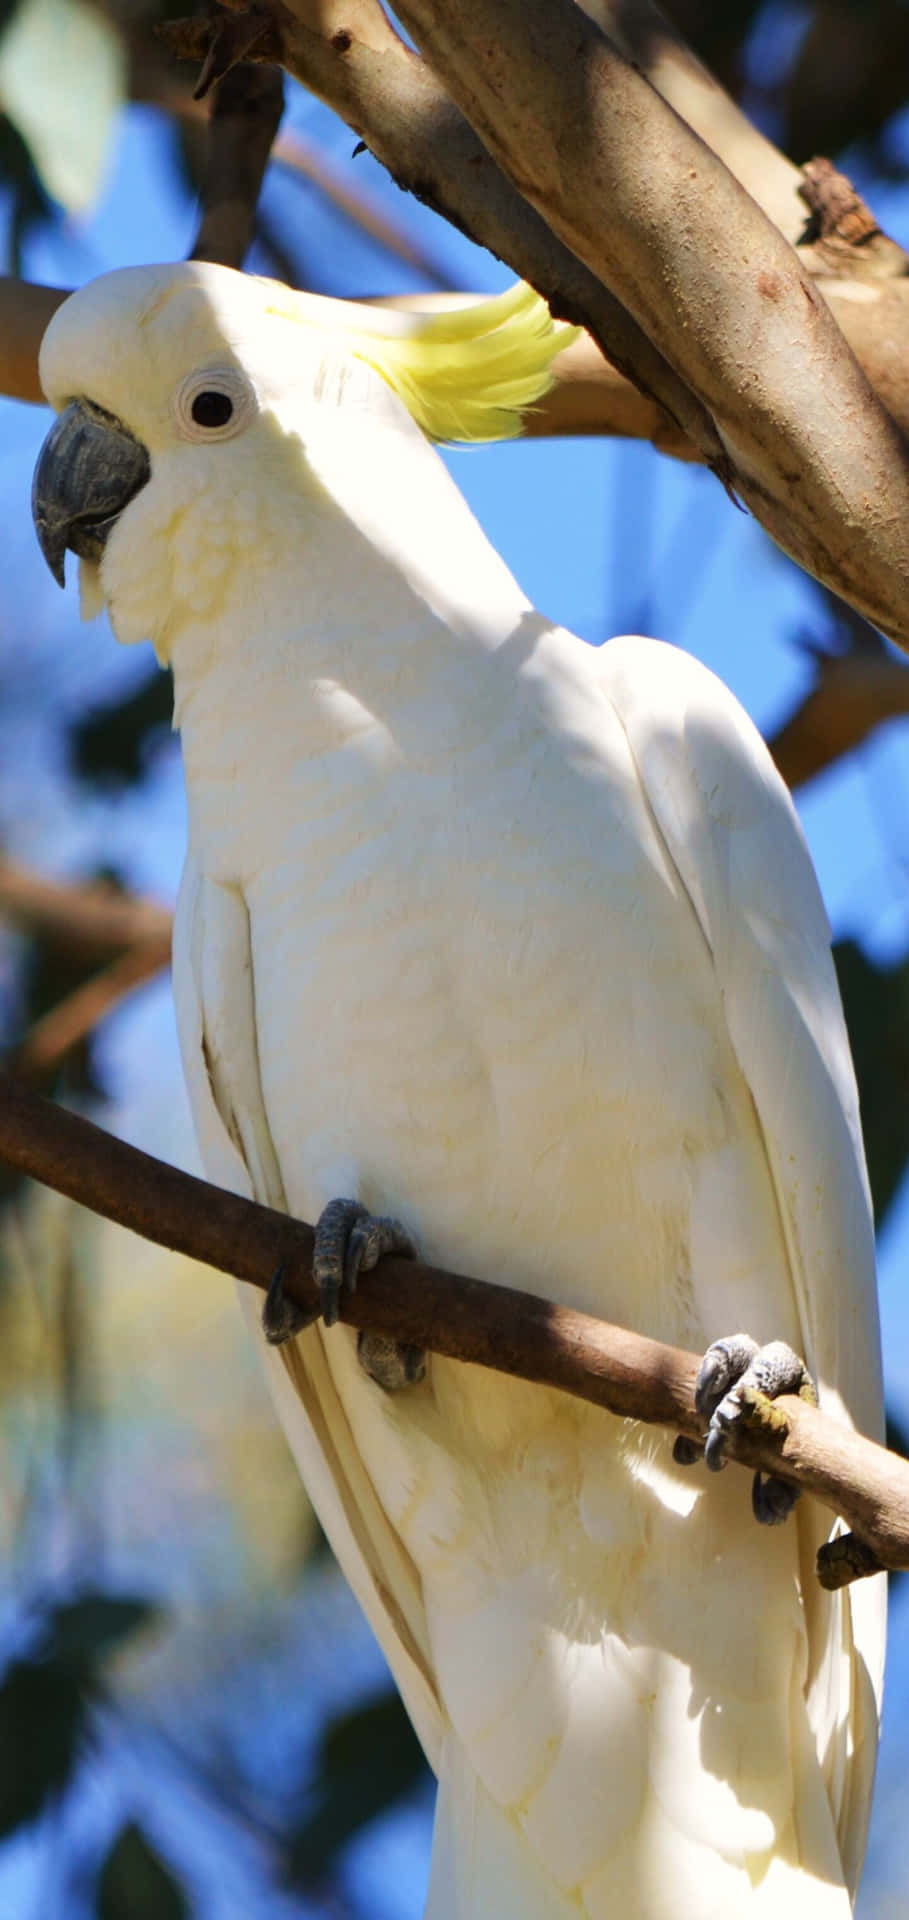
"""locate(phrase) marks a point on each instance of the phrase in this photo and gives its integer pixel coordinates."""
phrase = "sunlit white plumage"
(519, 941)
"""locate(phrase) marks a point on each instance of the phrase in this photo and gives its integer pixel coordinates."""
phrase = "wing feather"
(215, 1003)
(729, 828)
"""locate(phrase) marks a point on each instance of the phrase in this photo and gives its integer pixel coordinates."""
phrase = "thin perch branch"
(469, 1320)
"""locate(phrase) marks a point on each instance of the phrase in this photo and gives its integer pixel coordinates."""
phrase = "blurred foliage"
(46, 1696)
(876, 1002)
(112, 745)
(367, 1760)
(135, 1884)
(62, 83)
(30, 204)
(820, 76)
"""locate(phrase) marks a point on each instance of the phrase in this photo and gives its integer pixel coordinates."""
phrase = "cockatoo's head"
(191, 399)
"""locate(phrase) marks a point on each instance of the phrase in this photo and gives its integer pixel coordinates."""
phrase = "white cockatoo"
(516, 941)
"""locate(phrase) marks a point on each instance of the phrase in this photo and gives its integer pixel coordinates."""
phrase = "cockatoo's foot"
(389, 1362)
(739, 1381)
(349, 1241)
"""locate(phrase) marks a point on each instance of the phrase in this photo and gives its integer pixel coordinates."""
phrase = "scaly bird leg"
(349, 1241)
(738, 1380)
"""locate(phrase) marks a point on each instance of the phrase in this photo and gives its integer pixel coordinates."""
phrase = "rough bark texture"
(655, 215)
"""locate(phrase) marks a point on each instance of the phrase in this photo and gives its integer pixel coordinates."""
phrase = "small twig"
(842, 228)
(65, 1026)
(492, 1326)
(93, 922)
(854, 693)
(231, 38)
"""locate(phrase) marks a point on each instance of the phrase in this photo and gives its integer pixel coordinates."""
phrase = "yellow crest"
(466, 373)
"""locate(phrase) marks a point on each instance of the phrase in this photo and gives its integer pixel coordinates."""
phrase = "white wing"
(214, 997)
(726, 821)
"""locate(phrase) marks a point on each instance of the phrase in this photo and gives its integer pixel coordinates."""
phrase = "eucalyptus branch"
(711, 282)
(471, 1320)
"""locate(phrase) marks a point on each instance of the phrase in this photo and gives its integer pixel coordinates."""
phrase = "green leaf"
(62, 83)
(876, 1003)
(368, 1760)
(30, 204)
(113, 744)
(86, 1630)
(45, 1698)
(135, 1884)
(42, 1720)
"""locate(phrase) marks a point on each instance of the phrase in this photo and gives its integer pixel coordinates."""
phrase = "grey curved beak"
(88, 470)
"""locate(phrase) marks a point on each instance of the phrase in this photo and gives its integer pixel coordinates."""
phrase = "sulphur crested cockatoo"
(517, 941)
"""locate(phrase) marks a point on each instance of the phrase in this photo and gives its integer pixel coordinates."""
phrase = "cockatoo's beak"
(88, 470)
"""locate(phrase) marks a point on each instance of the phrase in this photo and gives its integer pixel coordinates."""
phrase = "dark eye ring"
(212, 409)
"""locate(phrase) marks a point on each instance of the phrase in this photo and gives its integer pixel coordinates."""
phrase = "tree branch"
(95, 923)
(127, 939)
(855, 692)
(352, 59)
(25, 311)
(246, 106)
(471, 1320)
(809, 447)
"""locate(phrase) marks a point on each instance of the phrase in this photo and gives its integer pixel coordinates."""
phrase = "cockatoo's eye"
(212, 409)
(214, 404)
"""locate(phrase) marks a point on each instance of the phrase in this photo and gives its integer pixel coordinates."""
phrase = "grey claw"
(349, 1241)
(334, 1230)
(723, 1364)
(772, 1499)
(390, 1363)
(282, 1318)
(736, 1373)
(715, 1445)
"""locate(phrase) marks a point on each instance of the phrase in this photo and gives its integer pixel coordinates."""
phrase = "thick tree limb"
(466, 1319)
(351, 58)
(810, 449)
(643, 34)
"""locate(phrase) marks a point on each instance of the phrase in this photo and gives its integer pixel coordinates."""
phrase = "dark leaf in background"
(42, 1718)
(112, 745)
(45, 1697)
(849, 75)
(369, 1759)
(897, 1435)
(30, 203)
(84, 1631)
(135, 1884)
(876, 1002)
(844, 79)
